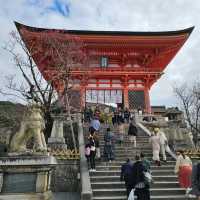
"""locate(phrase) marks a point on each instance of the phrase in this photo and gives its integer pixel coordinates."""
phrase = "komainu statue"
(31, 127)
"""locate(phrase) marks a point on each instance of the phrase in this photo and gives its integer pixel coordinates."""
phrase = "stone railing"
(146, 130)
(86, 191)
(149, 118)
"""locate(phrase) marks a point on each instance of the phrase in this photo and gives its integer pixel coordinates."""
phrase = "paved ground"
(66, 196)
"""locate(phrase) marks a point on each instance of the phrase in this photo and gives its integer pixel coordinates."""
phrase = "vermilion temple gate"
(122, 66)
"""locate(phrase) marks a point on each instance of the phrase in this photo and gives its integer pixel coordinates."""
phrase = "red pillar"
(82, 96)
(147, 100)
(125, 94)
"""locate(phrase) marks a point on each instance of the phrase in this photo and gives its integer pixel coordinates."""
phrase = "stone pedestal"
(57, 140)
(26, 177)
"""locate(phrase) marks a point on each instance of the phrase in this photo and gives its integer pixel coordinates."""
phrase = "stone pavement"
(66, 196)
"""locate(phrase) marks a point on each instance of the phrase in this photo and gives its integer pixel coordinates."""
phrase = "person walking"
(145, 162)
(126, 172)
(121, 132)
(196, 180)
(126, 115)
(92, 150)
(155, 141)
(132, 133)
(183, 168)
(109, 146)
(163, 144)
(138, 180)
(95, 124)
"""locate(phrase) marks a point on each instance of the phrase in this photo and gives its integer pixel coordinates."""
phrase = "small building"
(158, 110)
(174, 113)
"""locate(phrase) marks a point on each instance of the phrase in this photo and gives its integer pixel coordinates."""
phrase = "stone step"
(116, 178)
(128, 147)
(106, 184)
(166, 197)
(153, 191)
(117, 173)
(123, 158)
(101, 167)
(156, 184)
(126, 139)
(119, 163)
(131, 155)
(130, 150)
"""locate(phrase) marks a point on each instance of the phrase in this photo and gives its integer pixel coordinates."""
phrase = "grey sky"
(129, 15)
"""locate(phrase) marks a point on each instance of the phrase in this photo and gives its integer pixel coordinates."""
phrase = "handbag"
(92, 148)
(131, 195)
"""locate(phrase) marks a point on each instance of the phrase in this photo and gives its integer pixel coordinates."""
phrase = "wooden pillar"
(126, 103)
(147, 100)
(83, 84)
(82, 96)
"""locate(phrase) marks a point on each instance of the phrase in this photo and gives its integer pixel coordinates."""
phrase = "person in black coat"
(126, 171)
(196, 180)
(92, 144)
(138, 180)
(132, 133)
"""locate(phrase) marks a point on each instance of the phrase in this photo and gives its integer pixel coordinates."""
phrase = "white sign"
(104, 96)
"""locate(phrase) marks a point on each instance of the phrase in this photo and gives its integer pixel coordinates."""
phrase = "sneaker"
(94, 170)
(110, 161)
(91, 170)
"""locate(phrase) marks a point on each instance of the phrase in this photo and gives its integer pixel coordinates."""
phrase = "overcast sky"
(120, 15)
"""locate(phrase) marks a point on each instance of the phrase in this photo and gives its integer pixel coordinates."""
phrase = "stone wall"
(65, 177)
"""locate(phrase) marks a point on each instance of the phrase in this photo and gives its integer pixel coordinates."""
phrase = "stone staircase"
(106, 183)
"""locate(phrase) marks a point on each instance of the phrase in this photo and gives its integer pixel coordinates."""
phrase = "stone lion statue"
(31, 126)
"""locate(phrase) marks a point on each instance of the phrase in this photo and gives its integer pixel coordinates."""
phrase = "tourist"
(138, 180)
(196, 180)
(110, 117)
(183, 168)
(96, 139)
(121, 132)
(116, 117)
(121, 116)
(126, 173)
(87, 114)
(126, 115)
(97, 112)
(109, 139)
(132, 133)
(95, 124)
(155, 141)
(145, 162)
(91, 142)
(163, 144)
